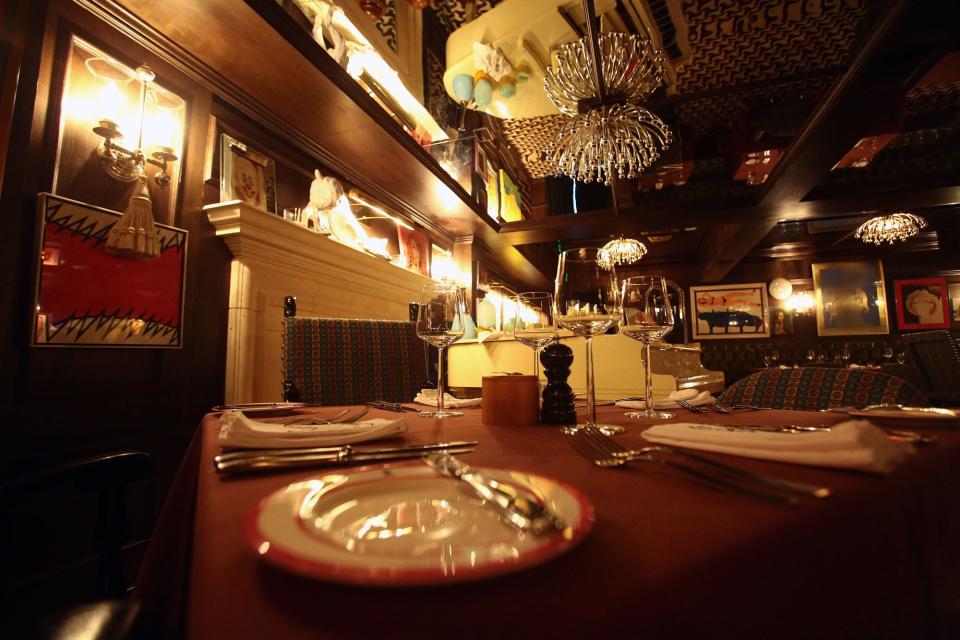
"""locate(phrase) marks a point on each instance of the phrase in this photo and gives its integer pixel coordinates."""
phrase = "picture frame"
(247, 175)
(729, 311)
(86, 297)
(922, 303)
(850, 298)
(954, 293)
(414, 250)
(781, 321)
(510, 199)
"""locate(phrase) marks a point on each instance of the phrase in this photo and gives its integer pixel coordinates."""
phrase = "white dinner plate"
(403, 525)
(911, 416)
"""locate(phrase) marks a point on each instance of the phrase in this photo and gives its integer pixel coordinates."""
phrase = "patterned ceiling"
(741, 53)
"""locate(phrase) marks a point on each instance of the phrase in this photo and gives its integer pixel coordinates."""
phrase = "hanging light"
(890, 228)
(599, 81)
(621, 251)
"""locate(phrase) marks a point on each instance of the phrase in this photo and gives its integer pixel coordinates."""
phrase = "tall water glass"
(587, 297)
(647, 317)
(534, 325)
(440, 323)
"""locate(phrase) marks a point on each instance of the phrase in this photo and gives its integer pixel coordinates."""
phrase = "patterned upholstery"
(813, 388)
(338, 362)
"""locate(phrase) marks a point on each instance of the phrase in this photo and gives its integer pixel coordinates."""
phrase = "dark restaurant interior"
(356, 318)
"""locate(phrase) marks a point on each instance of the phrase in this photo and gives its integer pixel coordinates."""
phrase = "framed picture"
(729, 311)
(247, 175)
(509, 199)
(781, 322)
(954, 291)
(85, 297)
(414, 250)
(922, 303)
(850, 298)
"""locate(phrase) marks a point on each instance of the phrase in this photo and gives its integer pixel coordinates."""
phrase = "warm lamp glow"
(112, 105)
(801, 302)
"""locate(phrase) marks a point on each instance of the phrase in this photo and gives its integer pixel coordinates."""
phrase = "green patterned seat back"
(339, 362)
(814, 388)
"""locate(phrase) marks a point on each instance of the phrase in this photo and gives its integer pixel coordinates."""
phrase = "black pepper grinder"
(558, 407)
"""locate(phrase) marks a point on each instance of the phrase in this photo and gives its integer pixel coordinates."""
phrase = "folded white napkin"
(483, 335)
(237, 430)
(694, 397)
(429, 398)
(854, 444)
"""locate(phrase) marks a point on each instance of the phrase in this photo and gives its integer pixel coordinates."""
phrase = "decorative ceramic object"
(483, 92)
(463, 87)
(325, 192)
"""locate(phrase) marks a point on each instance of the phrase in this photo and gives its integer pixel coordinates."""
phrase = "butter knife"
(523, 513)
(336, 458)
(344, 448)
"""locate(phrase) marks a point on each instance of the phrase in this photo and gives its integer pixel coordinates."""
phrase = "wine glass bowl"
(587, 303)
(440, 323)
(647, 317)
(534, 325)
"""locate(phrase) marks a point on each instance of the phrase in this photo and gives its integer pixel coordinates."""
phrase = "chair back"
(936, 356)
(815, 388)
(338, 362)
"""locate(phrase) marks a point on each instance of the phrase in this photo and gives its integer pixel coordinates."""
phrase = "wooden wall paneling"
(69, 401)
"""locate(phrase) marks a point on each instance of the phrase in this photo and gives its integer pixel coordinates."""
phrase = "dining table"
(667, 557)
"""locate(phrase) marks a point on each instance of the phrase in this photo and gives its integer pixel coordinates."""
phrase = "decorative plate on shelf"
(402, 525)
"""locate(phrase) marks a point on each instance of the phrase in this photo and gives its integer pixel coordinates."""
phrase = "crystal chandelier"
(890, 228)
(621, 251)
(608, 134)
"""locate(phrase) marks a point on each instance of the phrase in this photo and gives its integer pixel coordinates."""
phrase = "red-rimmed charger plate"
(403, 525)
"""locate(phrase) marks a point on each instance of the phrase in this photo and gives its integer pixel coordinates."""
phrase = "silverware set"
(305, 419)
(605, 452)
(707, 408)
(254, 460)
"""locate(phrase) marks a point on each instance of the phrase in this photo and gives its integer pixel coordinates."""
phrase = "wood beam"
(638, 220)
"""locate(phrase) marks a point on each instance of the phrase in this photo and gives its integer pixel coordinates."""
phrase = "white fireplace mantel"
(274, 258)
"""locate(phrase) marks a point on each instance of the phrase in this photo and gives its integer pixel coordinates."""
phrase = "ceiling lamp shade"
(598, 81)
(621, 251)
(632, 69)
(890, 228)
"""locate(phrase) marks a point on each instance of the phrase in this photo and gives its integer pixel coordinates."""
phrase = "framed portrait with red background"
(922, 303)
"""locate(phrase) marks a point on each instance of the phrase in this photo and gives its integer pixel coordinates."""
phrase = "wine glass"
(647, 316)
(538, 329)
(888, 353)
(811, 355)
(767, 359)
(440, 323)
(587, 303)
(901, 357)
(845, 354)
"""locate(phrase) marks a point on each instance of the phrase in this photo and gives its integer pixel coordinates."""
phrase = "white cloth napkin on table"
(854, 444)
(694, 397)
(429, 398)
(237, 430)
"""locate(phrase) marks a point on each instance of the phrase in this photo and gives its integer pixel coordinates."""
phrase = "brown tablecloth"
(667, 557)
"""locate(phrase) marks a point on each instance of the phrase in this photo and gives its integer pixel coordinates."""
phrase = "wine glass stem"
(440, 390)
(536, 363)
(591, 402)
(648, 375)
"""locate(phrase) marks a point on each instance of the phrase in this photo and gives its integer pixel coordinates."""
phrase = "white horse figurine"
(325, 191)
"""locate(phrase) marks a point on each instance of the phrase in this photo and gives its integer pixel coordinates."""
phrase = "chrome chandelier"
(621, 251)
(598, 81)
(890, 228)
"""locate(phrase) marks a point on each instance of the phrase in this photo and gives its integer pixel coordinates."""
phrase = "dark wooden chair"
(338, 362)
(815, 388)
(64, 534)
(936, 356)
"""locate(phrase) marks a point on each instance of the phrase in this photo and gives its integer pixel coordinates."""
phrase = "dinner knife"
(340, 458)
(302, 451)
(522, 512)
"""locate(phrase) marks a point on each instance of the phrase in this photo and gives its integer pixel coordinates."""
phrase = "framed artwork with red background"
(922, 303)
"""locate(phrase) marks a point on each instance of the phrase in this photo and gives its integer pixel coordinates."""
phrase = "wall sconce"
(125, 164)
(801, 302)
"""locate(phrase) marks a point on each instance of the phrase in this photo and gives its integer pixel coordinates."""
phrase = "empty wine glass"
(767, 359)
(440, 323)
(647, 317)
(587, 303)
(888, 353)
(845, 354)
(901, 357)
(811, 355)
(534, 325)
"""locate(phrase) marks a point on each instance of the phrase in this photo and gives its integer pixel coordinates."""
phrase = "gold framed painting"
(850, 298)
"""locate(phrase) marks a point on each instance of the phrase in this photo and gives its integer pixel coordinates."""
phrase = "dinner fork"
(799, 488)
(689, 407)
(307, 419)
(594, 446)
